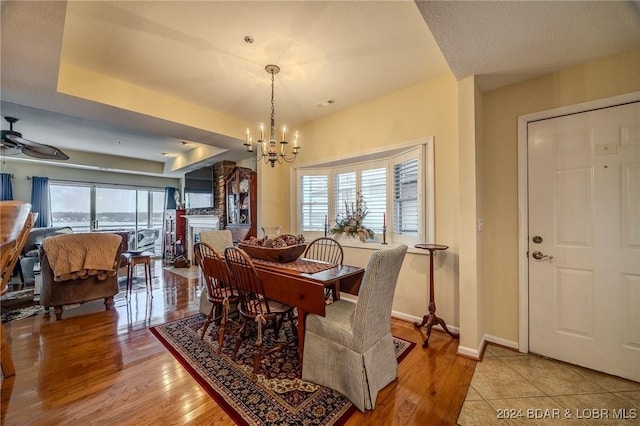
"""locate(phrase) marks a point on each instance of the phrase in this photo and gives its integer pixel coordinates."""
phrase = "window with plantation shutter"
(370, 179)
(373, 185)
(397, 184)
(405, 198)
(313, 200)
(344, 189)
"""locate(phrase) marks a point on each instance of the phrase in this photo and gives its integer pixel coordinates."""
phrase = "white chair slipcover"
(351, 348)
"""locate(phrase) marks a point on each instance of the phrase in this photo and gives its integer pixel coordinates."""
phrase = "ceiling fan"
(12, 143)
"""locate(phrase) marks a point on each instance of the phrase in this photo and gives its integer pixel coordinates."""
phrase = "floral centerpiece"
(349, 221)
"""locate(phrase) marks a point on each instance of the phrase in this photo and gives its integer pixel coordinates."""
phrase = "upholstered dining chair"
(351, 348)
(219, 290)
(327, 250)
(255, 306)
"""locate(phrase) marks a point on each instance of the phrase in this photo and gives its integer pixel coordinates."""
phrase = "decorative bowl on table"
(283, 249)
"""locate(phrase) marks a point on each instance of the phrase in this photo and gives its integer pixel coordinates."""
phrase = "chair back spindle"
(325, 249)
(253, 300)
(220, 287)
(214, 271)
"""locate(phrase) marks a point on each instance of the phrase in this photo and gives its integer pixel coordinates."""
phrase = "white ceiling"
(346, 51)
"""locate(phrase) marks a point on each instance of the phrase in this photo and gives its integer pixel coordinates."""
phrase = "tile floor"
(510, 388)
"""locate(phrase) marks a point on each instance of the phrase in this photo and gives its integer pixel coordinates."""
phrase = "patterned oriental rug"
(276, 397)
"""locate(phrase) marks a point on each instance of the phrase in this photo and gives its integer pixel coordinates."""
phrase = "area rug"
(16, 299)
(276, 397)
(21, 313)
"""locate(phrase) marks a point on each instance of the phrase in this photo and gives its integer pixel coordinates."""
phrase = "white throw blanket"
(76, 256)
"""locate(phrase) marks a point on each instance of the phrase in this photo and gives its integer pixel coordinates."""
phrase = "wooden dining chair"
(15, 224)
(220, 291)
(255, 306)
(326, 249)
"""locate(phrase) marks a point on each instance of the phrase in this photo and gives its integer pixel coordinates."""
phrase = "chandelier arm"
(288, 158)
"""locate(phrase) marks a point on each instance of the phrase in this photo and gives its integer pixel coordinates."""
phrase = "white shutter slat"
(314, 201)
(405, 198)
(373, 184)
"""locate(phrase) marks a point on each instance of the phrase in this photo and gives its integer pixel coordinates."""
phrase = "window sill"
(374, 245)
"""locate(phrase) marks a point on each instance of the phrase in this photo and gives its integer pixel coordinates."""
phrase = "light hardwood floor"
(105, 367)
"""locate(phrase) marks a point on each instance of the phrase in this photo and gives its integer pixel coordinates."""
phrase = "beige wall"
(22, 187)
(599, 79)
(427, 109)
(469, 130)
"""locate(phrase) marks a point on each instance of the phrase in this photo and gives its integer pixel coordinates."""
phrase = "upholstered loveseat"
(96, 277)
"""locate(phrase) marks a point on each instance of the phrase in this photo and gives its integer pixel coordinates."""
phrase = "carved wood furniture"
(325, 249)
(133, 259)
(255, 305)
(241, 203)
(219, 289)
(431, 319)
(175, 229)
(290, 284)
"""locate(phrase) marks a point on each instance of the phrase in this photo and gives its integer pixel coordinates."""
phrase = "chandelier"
(268, 150)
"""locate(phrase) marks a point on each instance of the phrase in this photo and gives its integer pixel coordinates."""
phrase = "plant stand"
(431, 319)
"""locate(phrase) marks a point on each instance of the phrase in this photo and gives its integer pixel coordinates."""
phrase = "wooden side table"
(431, 319)
(134, 259)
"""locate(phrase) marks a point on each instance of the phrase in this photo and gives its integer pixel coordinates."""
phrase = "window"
(85, 207)
(373, 185)
(371, 180)
(314, 201)
(406, 189)
(397, 183)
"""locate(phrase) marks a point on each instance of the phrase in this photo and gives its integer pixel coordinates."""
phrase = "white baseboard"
(471, 352)
(502, 342)
(462, 350)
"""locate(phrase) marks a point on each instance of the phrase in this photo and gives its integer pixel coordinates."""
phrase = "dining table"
(301, 284)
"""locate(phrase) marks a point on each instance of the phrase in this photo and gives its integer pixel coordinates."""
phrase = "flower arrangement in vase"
(349, 221)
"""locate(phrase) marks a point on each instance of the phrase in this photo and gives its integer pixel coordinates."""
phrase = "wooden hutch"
(241, 203)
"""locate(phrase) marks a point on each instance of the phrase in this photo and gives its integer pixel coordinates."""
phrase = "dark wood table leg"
(431, 319)
(302, 315)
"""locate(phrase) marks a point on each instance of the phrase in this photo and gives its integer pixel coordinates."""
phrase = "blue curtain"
(169, 200)
(40, 200)
(6, 190)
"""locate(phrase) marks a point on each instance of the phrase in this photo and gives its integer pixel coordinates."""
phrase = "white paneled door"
(584, 239)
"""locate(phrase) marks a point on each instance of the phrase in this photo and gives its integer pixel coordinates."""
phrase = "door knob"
(538, 255)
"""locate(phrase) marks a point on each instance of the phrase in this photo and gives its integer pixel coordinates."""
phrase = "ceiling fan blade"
(6, 141)
(6, 149)
(13, 143)
(46, 152)
(18, 139)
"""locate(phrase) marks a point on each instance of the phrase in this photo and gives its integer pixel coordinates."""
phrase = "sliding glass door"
(93, 207)
(115, 209)
(71, 206)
